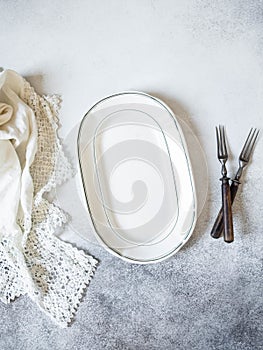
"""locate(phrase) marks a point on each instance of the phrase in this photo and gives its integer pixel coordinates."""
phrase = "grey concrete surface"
(205, 59)
(209, 296)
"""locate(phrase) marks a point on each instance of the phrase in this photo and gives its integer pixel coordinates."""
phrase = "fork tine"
(217, 141)
(251, 144)
(223, 140)
(243, 151)
(220, 140)
(220, 137)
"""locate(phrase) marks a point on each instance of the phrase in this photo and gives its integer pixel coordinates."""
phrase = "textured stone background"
(205, 59)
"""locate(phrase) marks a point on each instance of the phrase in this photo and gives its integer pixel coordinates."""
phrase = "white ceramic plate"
(137, 177)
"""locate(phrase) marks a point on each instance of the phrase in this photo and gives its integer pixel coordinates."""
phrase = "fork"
(222, 156)
(244, 158)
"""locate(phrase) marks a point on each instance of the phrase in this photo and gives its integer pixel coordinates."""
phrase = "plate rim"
(185, 148)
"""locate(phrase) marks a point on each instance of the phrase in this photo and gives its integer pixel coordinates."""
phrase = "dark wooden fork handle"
(227, 211)
(218, 227)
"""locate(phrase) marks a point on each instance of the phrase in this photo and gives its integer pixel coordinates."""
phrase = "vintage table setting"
(131, 170)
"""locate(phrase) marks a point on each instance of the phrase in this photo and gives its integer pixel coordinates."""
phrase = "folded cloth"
(32, 260)
(18, 133)
(6, 112)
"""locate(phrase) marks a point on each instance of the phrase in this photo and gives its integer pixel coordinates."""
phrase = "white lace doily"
(53, 273)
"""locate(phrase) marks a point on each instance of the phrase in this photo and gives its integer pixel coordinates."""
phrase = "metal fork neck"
(239, 172)
(223, 170)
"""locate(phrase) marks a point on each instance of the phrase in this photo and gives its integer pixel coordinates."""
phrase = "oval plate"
(137, 177)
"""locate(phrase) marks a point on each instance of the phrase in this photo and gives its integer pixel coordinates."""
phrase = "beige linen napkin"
(33, 260)
(6, 112)
(18, 136)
